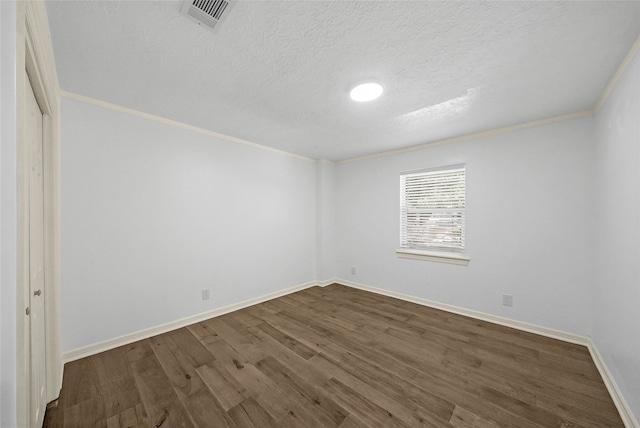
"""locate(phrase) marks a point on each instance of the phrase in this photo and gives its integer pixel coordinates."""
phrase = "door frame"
(34, 53)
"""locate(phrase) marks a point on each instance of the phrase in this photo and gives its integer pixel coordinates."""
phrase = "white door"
(37, 363)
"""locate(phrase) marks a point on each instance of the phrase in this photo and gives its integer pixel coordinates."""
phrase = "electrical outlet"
(507, 299)
(353, 270)
(206, 294)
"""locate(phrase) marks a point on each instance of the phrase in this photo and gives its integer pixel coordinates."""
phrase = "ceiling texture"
(278, 73)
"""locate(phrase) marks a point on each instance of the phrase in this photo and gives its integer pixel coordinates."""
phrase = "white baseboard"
(95, 348)
(531, 328)
(616, 395)
(328, 282)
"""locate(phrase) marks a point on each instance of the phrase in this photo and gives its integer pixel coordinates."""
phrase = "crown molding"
(176, 124)
(614, 80)
(473, 136)
(618, 74)
(476, 135)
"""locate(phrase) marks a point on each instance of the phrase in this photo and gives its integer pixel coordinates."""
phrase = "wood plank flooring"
(337, 357)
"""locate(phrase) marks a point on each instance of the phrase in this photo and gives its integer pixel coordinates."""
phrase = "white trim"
(495, 319)
(616, 395)
(614, 80)
(176, 124)
(496, 131)
(34, 53)
(135, 336)
(328, 282)
(328, 162)
(433, 169)
(488, 133)
(433, 256)
(475, 135)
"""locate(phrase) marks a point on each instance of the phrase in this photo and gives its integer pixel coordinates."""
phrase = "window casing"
(432, 211)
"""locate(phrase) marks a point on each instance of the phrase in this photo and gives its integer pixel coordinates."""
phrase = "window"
(432, 214)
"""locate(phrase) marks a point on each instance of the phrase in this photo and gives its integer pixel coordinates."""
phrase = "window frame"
(435, 254)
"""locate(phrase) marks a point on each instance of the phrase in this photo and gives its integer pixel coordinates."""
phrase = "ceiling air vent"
(206, 12)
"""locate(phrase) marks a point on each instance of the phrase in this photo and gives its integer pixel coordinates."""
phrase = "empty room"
(282, 213)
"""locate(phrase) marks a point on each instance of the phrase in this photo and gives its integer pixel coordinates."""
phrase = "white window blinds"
(432, 209)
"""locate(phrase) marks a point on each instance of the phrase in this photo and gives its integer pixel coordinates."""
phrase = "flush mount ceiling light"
(366, 92)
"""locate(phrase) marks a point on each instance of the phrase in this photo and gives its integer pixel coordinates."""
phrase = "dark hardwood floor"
(337, 356)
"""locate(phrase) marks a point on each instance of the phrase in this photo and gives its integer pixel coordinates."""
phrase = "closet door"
(37, 286)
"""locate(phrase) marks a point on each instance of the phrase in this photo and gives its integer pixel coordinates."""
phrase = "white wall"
(325, 203)
(8, 218)
(616, 305)
(529, 220)
(152, 214)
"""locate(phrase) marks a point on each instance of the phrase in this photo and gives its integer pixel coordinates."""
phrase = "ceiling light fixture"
(366, 92)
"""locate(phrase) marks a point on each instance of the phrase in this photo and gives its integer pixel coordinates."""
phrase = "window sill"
(433, 256)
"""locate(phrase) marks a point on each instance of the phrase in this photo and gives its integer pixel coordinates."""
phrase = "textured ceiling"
(277, 73)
